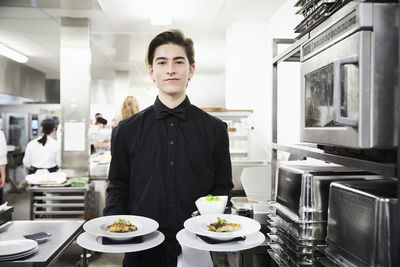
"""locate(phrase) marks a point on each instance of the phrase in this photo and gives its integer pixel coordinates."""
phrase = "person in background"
(100, 121)
(3, 163)
(43, 152)
(129, 107)
(168, 155)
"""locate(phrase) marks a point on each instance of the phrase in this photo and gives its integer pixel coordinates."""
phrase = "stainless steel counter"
(63, 232)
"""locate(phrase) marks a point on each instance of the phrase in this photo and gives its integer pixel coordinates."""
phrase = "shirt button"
(171, 142)
(171, 163)
(171, 124)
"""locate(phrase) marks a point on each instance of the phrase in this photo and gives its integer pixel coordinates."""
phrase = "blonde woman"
(129, 108)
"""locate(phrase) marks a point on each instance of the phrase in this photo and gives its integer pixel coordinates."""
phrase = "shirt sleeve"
(222, 163)
(58, 153)
(117, 201)
(3, 149)
(27, 160)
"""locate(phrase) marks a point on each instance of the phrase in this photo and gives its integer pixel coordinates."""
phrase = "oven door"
(335, 100)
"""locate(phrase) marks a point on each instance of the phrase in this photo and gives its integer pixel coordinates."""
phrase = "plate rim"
(154, 227)
(223, 247)
(226, 235)
(32, 243)
(118, 248)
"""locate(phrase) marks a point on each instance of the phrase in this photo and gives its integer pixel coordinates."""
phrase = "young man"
(168, 155)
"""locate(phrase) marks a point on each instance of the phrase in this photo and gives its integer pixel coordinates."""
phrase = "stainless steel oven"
(349, 68)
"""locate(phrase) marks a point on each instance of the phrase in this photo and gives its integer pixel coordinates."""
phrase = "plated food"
(100, 226)
(121, 226)
(234, 226)
(221, 225)
(211, 204)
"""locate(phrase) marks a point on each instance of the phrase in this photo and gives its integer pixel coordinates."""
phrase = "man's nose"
(171, 69)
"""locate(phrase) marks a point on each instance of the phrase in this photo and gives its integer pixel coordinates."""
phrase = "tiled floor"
(71, 256)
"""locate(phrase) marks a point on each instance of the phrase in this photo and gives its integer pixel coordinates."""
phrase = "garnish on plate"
(212, 198)
(121, 226)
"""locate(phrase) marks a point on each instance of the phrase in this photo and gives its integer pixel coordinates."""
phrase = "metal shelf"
(385, 169)
(290, 54)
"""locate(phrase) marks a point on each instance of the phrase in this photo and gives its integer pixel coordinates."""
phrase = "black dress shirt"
(163, 160)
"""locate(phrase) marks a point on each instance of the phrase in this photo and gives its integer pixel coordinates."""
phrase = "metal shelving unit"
(292, 54)
(61, 202)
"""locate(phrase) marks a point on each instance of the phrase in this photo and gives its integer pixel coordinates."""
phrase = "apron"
(191, 257)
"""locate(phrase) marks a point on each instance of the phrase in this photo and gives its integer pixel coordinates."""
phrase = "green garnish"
(212, 198)
(123, 222)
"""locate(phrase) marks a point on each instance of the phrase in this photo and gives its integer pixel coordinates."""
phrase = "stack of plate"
(96, 230)
(196, 231)
(16, 249)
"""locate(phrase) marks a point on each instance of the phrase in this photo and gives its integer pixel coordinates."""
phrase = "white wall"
(249, 75)
(207, 90)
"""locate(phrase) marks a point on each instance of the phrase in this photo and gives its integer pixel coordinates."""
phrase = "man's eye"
(161, 62)
(180, 62)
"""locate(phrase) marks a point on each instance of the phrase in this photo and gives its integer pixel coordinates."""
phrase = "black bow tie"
(178, 112)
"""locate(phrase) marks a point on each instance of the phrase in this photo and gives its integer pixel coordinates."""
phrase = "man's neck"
(171, 101)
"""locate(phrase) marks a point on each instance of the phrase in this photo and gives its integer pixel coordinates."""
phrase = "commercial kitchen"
(309, 91)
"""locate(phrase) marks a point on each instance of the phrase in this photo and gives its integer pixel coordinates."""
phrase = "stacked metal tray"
(302, 200)
(315, 12)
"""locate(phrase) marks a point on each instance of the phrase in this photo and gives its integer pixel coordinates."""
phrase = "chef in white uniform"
(43, 152)
(3, 163)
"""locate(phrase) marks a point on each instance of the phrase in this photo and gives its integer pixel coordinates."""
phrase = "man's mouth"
(171, 79)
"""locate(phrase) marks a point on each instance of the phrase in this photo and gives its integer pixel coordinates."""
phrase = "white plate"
(98, 226)
(189, 239)
(199, 225)
(14, 247)
(19, 255)
(93, 242)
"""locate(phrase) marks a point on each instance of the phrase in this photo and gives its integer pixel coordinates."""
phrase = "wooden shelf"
(385, 169)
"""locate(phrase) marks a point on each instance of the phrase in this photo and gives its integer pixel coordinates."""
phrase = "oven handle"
(337, 89)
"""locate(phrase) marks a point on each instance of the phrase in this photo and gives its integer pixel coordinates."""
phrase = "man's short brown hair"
(171, 36)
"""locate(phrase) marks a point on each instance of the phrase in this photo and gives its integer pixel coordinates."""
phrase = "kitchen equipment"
(256, 182)
(303, 188)
(302, 207)
(347, 85)
(361, 223)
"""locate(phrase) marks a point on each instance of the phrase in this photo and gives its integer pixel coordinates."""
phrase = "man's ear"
(150, 68)
(192, 68)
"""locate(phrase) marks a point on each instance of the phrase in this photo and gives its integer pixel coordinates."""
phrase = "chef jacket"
(161, 164)
(3, 149)
(42, 157)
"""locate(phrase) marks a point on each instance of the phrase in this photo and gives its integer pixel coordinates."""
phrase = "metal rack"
(62, 202)
(292, 54)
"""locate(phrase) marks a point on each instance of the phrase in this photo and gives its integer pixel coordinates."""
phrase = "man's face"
(171, 69)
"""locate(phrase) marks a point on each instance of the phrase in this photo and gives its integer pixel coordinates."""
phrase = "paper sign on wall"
(74, 136)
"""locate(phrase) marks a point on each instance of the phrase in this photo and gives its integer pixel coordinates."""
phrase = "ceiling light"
(12, 54)
(160, 12)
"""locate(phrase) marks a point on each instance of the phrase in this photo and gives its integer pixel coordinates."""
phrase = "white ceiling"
(121, 30)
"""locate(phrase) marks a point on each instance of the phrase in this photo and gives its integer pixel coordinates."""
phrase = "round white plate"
(13, 247)
(199, 225)
(98, 226)
(189, 239)
(93, 242)
(19, 255)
